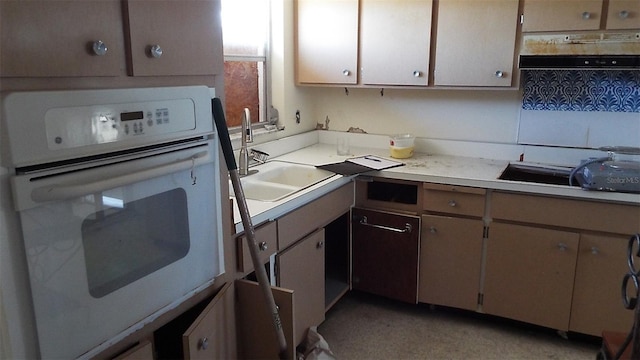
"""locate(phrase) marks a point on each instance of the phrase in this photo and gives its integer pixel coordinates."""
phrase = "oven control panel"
(72, 127)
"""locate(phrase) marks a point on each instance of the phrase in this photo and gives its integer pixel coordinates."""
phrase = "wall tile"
(581, 90)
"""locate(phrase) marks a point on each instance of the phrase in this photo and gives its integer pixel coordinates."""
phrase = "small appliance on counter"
(609, 173)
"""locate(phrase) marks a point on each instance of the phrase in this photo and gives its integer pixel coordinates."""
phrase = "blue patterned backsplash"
(581, 90)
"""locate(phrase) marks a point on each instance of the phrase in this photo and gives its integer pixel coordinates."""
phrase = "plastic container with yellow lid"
(401, 146)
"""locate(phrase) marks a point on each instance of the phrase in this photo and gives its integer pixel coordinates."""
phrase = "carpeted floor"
(362, 326)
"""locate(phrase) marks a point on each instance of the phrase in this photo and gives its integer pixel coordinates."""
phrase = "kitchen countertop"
(444, 169)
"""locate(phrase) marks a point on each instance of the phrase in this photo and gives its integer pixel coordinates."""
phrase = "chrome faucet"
(247, 137)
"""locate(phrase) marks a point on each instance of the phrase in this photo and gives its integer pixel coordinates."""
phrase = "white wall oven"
(118, 193)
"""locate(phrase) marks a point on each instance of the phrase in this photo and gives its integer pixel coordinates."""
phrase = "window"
(245, 29)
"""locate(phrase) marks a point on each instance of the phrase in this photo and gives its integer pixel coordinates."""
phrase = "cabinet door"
(326, 41)
(385, 254)
(212, 334)
(188, 33)
(49, 38)
(475, 44)
(395, 38)
(597, 302)
(450, 260)
(257, 335)
(623, 14)
(301, 269)
(529, 274)
(554, 15)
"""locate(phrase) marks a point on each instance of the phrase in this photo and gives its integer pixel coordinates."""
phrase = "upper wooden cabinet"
(327, 41)
(70, 38)
(554, 15)
(61, 38)
(623, 14)
(475, 43)
(395, 40)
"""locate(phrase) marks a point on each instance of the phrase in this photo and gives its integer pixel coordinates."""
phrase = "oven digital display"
(134, 115)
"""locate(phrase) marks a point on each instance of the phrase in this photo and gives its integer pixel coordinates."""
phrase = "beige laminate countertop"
(444, 169)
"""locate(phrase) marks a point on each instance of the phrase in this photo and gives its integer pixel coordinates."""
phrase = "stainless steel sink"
(276, 180)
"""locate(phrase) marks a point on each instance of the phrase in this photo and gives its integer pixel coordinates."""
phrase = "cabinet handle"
(433, 230)
(562, 247)
(204, 343)
(320, 244)
(453, 203)
(346, 72)
(595, 250)
(99, 48)
(407, 226)
(623, 14)
(263, 246)
(586, 15)
(417, 73)
(155, 51)
(499, 74)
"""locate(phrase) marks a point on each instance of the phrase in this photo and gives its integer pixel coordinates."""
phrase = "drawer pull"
(204, 343)
(562, 247)
(263, 246)
(433, 230)
(453, 203)
(407, 226)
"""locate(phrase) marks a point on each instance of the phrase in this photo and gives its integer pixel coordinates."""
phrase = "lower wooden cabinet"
(529, 274)
(450, 261)
(301, 269)
(597, 301)
(385, 250)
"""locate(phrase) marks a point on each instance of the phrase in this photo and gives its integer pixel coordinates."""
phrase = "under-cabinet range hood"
(580, 51)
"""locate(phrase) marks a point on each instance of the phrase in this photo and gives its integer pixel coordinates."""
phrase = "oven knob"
(58, 140)
(126, 129)
(150, 122)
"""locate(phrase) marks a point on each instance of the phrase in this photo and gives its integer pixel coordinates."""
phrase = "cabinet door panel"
(554, 15)
(529, 274)
(450, 260)
(476, 42)
(623, 14)
(301, 269)
(395, 41)
(53, 38)
(385, 262)
(327, 41)
(597, 302)
(188, 32)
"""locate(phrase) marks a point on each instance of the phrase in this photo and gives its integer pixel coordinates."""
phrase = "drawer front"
(388, 194)
(295, 225)
(578, 214)
(454, 200)
(267, 240)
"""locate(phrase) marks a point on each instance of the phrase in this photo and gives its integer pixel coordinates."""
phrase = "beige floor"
(362, 326)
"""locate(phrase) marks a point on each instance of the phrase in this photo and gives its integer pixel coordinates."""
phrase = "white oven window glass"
(128, 241)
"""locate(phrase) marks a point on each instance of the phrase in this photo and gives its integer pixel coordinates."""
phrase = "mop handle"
(261, 273)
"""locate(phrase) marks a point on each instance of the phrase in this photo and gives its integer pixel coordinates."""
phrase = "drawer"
(267, 239)
(388, 194)
(450, 199)
(316, 214)
(578, 214)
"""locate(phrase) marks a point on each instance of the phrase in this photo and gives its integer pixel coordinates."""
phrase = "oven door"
(112, 247)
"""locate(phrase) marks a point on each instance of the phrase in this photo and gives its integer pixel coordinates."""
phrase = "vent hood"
(580, 51)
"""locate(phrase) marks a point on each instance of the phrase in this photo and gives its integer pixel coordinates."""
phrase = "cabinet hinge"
(480, 298)
(485, 232)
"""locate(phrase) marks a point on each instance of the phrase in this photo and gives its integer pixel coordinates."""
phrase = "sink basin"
(276, 180)
(556, 175)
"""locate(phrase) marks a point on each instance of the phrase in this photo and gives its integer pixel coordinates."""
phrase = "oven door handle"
(62, 192)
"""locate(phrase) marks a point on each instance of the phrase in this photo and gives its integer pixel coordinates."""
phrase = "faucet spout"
(247, 137)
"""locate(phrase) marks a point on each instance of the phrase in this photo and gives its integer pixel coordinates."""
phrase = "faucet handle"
(247, 132)
(259, 156)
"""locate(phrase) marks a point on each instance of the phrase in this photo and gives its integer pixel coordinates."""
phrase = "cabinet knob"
(320, 244)
(155, 51)
(263, 246)
(623, 14)
(499, 74)
(595, 250)
(417, 73)
(562, 247)
(203, 343)
(99, 48)
(433, 230)
(453, 203)
(346, 72)
(586, 15)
